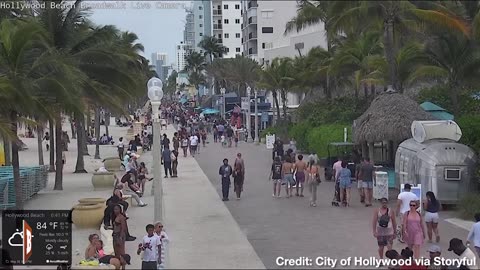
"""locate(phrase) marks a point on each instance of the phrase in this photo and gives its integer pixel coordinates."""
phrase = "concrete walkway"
(203, 233)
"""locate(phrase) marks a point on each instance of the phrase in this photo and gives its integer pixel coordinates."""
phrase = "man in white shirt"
(193, 144)
(164, 240)
(151, 247)
(474, 234)
(465, 254)
(337, 167)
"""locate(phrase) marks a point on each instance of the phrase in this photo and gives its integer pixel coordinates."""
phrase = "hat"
(434, 249)
(407, 186)
(454, 242)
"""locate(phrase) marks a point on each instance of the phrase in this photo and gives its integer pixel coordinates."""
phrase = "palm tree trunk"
(277, 105)
(7, 150)
(372, 90)
(97, 133)
(390, 52)
(16, 164)
(89, 120)
(58, 152)
(80, 165)
(40, 146)
(365, 90)
(107, 122)
(283, 96)
(72, 126)
(52, 146)
(454, 96)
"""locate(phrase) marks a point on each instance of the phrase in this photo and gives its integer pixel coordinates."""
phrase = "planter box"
(88, 215)
(113, 164)
(103, 180)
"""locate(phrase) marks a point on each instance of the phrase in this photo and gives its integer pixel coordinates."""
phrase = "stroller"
(336, 195)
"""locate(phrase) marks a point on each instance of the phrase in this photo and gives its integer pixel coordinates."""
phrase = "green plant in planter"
(469, 205)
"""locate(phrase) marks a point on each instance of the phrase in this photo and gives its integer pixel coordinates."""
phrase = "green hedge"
(319, 138)
(469, 205)
(470, 126)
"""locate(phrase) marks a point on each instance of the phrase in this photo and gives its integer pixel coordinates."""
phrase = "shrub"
(299, 133)
(470, 126)
(271, 130)
(319, 138)
(469, 205)
(335, 111)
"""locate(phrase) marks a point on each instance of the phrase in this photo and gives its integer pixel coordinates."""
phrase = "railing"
(252, 35)
(33, 180)
(252, 20)
(217, 12)
(217, 26)
(253, 4)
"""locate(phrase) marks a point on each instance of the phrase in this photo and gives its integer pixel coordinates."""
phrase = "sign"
(245, 103)
(270, 141)
(37, 237)
(418, 191)
(264, 116)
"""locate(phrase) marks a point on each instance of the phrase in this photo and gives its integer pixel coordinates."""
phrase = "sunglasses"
(413, 205)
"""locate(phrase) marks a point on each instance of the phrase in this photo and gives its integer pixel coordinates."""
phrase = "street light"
(249, 124)
(223, 90)
(155, 94)
(256, 115)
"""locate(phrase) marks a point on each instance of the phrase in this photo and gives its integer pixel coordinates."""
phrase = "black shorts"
(149, 265)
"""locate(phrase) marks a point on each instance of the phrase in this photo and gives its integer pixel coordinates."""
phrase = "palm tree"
(278, 76)
(195, 62)
(28, 68)
(211, 47)
(242, 70)
(452, 60)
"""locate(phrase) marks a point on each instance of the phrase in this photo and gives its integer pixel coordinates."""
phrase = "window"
(237, 6)
(238, 49)
(201, 25)
(219, 35)
(178, 47)
(237, 21)
(225, 6)
(237, 35)
(452, 174)
(200, 34)
(263, 45)
(225, 21)
(227, 35)
(267, 30)
(227, 50)
(200, 17)
(267, 14)
(200, 7)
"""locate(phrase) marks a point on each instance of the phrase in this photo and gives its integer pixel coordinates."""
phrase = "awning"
(210, 111)
(183, 101)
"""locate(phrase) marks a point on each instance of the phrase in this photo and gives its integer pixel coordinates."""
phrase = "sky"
(158, 24)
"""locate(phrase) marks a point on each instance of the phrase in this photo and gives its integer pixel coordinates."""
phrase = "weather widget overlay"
(37, 237)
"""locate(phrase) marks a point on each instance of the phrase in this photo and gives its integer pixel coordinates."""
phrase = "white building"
(264, 36)
(158, 56)
(230, 34)
(181, 51)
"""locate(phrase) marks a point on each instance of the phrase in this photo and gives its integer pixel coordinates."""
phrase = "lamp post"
(155, 94)
(256, 115)
(249, 117)
(223, 90)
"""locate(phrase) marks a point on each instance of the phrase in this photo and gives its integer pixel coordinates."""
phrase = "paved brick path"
(289, 227)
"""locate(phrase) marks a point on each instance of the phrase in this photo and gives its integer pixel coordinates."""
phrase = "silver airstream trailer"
(435, 159)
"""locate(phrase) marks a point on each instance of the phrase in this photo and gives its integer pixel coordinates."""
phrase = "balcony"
(252, 4)
(220, 41)
(252, 51)
(217, 12)
(252, 36)
(217, 27)
(252, 20)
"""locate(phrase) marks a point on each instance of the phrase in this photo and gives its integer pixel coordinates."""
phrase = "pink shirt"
(337, 166)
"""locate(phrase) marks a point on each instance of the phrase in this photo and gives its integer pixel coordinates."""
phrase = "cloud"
(16, 239)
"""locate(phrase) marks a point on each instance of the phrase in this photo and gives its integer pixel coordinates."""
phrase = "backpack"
(384, 219)
(277, 171)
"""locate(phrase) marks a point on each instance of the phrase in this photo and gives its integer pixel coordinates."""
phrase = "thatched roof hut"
(389, 118)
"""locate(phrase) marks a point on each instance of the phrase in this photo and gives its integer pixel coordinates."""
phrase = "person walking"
(174, 163)
(432, 206)
(193, 144)
(203, 134)
(367, 172)
(414, 231)
(119, 235)
(185, 143)
(120, 148)
(358, 178)
(46, 139)
(403, 205)
(176, 141)
(383, 224)
(167, 161)
(314, 180)
(345, 183)
(160, 232)
(225, 171)
(276, 176)
(238, 175)
(299, 168)
(287, 172)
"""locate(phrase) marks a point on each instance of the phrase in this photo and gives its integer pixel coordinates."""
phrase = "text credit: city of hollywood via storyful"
(370, 262)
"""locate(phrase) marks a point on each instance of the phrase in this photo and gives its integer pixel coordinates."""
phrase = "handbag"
(317, 178)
